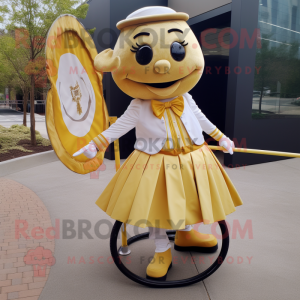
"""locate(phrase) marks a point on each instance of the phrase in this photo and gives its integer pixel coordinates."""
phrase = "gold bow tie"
(177, 105)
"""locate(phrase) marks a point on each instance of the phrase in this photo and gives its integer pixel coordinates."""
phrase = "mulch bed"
(27, 145)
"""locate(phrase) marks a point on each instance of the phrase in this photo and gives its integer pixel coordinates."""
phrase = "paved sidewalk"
(10, 117)
(23, 274)
(262, 262)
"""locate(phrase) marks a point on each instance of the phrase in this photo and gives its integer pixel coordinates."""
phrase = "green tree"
(14, 61)
(5, 73)
(30, 20)
(264, 63)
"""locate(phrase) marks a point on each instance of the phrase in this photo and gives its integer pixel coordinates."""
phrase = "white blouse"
(151, 132)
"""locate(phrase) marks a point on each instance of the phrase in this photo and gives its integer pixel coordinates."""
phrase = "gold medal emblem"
(76, 96)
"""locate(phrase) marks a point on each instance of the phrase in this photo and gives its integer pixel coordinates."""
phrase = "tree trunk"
(32, 120)
(25, 100)
(260, 100)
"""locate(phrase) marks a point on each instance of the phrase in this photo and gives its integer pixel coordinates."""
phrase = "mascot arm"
(206, 125)
(210, 128)
(123, 124)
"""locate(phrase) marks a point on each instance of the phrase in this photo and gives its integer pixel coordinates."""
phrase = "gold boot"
(195, 241)
(159, 266)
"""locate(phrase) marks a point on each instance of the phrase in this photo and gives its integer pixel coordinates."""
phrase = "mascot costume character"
(172, 180)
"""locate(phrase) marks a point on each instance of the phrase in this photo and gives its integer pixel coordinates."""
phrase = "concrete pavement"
(262, 262)
(10, 117)
(281, 106)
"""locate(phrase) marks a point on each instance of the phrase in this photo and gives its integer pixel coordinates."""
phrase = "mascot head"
(157, 56)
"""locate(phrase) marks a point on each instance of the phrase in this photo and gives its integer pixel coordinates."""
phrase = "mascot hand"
(226, 143)
(90, 150)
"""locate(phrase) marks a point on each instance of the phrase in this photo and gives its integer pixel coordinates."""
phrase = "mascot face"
(155, 60)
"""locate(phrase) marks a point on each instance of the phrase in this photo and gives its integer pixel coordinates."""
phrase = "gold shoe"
(159, 266)
(195, 241)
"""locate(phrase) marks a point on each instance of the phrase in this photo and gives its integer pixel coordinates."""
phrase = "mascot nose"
(162, 66)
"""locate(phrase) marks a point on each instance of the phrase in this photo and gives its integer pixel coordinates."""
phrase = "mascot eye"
(178, 51)
(143, 54)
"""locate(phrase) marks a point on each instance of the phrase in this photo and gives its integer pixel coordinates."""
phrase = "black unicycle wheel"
(171, 234)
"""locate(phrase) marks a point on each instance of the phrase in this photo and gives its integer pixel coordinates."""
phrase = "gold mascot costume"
(172, 180)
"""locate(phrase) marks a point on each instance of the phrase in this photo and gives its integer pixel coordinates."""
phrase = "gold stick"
(112, 120)
(124, 235)
(255, 151)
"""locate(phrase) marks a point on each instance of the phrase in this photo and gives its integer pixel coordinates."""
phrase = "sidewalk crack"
(199, 273)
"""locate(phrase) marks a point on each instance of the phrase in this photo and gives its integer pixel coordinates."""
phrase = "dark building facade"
(250, 87)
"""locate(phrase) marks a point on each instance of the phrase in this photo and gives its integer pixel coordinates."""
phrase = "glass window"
(276, 92)
(264, 3)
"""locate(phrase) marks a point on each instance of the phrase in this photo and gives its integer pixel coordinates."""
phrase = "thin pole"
(255, 151)
(124, 235)
(112, 120)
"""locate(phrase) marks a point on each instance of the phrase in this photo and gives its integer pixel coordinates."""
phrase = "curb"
(26, 162)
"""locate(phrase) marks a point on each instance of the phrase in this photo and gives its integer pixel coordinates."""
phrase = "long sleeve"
(123, 124)
(206, 125)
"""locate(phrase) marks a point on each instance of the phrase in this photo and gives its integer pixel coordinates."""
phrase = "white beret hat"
(152, 14)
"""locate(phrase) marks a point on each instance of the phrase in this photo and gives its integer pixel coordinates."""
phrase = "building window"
(276, 92)
(294, 17)
(264, 3)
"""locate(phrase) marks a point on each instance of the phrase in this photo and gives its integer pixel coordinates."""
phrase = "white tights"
(161, 239)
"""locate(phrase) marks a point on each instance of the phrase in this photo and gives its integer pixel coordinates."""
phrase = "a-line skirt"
(167, 191)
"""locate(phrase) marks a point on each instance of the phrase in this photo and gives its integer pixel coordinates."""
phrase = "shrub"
(10, 137)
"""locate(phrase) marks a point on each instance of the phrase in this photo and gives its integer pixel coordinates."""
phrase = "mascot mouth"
(159, 85)
(162, 85)
(162, 89)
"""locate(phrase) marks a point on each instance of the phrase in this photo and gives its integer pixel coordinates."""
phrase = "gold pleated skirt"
(167, 191)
